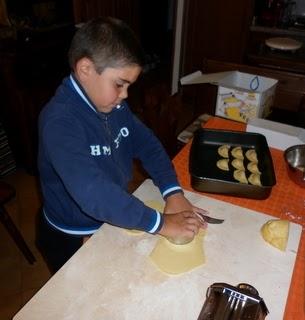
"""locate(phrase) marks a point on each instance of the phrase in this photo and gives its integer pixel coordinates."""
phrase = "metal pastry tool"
(209, 219)
(226, 302)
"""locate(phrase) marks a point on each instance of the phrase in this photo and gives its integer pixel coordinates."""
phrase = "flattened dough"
(152, 204)
(223, 164)
(224, 151)
(176, 259)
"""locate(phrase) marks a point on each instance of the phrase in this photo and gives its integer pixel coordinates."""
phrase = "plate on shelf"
(287, 44)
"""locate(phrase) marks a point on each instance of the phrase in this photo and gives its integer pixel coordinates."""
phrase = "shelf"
(277, 62)
(259, 54)
(278, 31)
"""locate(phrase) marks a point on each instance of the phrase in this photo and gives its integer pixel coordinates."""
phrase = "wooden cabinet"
(219, 36)
(212, 29)
(127, 10)
(215, 29)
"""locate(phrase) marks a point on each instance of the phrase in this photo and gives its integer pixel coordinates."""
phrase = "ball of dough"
(223, 164)
(237, 153)
(238, 164)
(252, 167)
(276, 233)
(240, 176)
(251, 155)
(255, 179)
(223, 151)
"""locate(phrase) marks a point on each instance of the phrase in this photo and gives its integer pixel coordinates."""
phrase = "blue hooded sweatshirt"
(85, 162)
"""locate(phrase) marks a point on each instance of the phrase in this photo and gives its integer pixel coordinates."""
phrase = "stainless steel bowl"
(295, 160)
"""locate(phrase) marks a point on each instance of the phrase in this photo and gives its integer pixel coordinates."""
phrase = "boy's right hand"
(181, 227)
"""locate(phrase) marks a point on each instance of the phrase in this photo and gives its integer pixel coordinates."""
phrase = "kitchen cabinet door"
(127, 10)
(215, 29)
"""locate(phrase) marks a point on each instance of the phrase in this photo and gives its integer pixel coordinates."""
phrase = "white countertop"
(112, 277)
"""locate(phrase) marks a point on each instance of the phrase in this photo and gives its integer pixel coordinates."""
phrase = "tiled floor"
(19, 280)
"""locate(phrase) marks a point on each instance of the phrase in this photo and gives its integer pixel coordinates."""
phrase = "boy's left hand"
(178, 203)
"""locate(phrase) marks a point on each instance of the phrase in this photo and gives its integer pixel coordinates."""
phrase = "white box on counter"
(279, 136)
(241, 96)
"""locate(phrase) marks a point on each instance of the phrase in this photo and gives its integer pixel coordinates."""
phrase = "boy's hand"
(181, 227)
(180, 220)
(177, 203)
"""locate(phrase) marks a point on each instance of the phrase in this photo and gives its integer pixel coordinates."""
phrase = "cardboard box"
(241, 96)
(278, 135)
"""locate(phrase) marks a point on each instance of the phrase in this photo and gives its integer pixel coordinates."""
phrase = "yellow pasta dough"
(240, 176)
(255, 179)
(175, 259)
(276, 233)
(223, 164)
(224, 151)
(251, 155)
(237, 153)
(238, 164)
(252, 167)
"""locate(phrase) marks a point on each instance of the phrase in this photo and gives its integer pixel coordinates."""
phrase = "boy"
(88, 139)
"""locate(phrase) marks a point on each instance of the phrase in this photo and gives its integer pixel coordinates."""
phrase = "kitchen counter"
(111, 277)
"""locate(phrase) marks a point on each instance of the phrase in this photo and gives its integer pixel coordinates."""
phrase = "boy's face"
(108, 89)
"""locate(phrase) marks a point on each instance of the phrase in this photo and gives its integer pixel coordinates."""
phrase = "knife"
(209, 219)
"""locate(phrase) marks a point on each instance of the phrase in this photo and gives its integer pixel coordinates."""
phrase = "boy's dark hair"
(107, 42)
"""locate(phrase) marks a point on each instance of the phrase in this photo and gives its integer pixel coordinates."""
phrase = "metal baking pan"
(207, 177)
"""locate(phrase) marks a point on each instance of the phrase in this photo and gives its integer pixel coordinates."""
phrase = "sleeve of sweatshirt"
(91, 188)
(154, 158)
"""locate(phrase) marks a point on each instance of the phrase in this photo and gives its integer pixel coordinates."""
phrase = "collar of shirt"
(79, 89)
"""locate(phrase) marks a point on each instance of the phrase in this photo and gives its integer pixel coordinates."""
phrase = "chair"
(7, 192)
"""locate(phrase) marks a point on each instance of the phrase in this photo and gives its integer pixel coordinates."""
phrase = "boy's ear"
(84, 68)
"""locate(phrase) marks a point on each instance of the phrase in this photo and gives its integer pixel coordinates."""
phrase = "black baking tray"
(207, 177)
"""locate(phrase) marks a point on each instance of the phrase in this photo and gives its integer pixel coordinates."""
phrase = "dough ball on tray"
(238, 164)
(237, 153)
(255, 179)
(253, 168)
(223, 151)
(223, 164)
(251, 155)
(240, 176)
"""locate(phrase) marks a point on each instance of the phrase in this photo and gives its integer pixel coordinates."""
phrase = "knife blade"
(209, 219)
